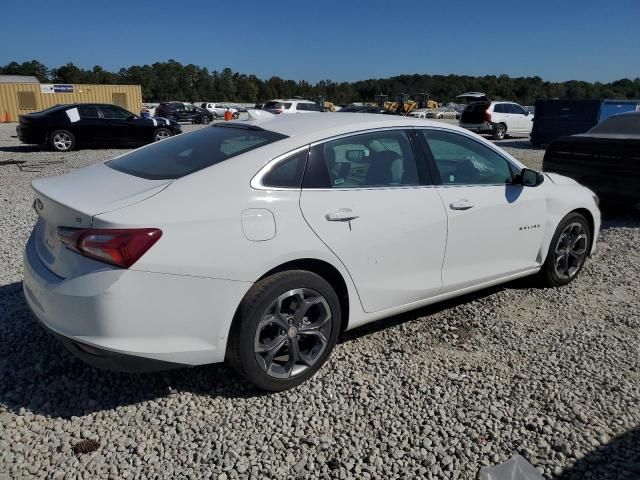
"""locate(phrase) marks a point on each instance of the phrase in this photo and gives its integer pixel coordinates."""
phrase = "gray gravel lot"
(552, 374)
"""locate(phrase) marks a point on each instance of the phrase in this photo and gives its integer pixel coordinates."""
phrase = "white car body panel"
(221, 232)
(395, 225)
(499, 234)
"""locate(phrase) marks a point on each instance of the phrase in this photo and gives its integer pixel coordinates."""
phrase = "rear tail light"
(119, 247)
(487, 116)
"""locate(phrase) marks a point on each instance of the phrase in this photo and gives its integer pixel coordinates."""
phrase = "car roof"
(322, 124)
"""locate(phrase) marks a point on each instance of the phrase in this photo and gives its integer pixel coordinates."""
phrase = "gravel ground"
(551, 374)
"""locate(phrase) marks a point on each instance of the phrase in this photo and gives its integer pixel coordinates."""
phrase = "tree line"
(171, 80)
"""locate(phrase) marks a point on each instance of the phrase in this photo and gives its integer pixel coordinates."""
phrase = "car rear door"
(90, 128)
(495, 226)
(368, 197)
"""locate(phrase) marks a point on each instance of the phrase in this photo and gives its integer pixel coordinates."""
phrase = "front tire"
(161, 134)
(62, 141)
(568, 251)
(235, 116)
(284, 330)
(499, 131)
(205, 120)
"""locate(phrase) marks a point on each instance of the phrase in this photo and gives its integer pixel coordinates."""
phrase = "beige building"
(23, 94)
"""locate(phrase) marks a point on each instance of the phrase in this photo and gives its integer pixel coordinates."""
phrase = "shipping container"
(613, 107)
(22, 98)
(556, 118)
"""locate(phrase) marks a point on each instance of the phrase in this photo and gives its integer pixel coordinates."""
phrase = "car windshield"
(619, 124)
(187, 153)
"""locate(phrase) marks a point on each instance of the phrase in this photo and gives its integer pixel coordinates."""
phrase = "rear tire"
(205, 120)
(284, 330)
(235, 115)
(568, 251)
(499, 131)
(62, 141)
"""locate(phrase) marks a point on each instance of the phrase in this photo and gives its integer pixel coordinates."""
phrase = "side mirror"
(130, 117)
(531, 178)
(526, 113)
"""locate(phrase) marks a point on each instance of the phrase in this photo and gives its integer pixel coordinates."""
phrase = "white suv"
(218, 109)
(498, 118)
(291, 106)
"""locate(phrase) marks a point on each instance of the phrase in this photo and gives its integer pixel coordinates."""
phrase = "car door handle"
(342, 215)
(461, 205)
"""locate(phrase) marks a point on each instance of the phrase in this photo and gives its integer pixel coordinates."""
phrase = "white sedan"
(257, 242)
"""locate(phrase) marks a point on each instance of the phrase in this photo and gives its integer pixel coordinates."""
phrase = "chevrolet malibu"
(257, 242)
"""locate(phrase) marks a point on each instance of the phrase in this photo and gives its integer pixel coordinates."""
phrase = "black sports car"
(606, 159)
(66, 127)
(183, 112)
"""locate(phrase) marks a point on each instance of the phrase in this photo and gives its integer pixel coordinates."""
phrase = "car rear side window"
(287, 173)
(188, 153)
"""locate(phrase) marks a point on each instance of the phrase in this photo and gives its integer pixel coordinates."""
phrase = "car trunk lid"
(72, 200)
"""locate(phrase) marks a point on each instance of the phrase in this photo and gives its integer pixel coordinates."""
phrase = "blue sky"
(340, 40)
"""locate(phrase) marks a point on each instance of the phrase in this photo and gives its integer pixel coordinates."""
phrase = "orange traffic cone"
(227, 115)
(7, 117)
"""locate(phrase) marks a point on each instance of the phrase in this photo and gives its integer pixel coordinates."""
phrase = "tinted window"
(288, 172)
(88, 111)
(463, 161)
(517, 109)
(379, 159)
(109, 111)
(477, 107)
(278, 105)
(312, 107)
(190, 152)
(628, 124)
(301, 106)
(499, 108)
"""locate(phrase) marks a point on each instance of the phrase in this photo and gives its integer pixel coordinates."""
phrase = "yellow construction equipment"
(403, 105)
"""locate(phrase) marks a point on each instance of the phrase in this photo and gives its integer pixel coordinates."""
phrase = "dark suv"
(183, 112)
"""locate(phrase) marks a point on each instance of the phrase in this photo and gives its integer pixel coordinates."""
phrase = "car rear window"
(277, 105)
(619, 124)
(477, 107)
(187, 153)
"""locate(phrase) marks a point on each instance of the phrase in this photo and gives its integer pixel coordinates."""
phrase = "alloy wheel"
(162, 134)
(293, 333)
(570, 251)
(62, 141)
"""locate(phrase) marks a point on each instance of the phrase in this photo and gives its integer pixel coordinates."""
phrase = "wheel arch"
(326, 271)
(589, 216)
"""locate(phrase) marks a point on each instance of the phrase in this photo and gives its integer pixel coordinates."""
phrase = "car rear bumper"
(29, 135)
(478, 127)
(131, 320)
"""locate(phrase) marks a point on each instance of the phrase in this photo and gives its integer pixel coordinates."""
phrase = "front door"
(119, 128)
(368, 198)
(495, 226)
